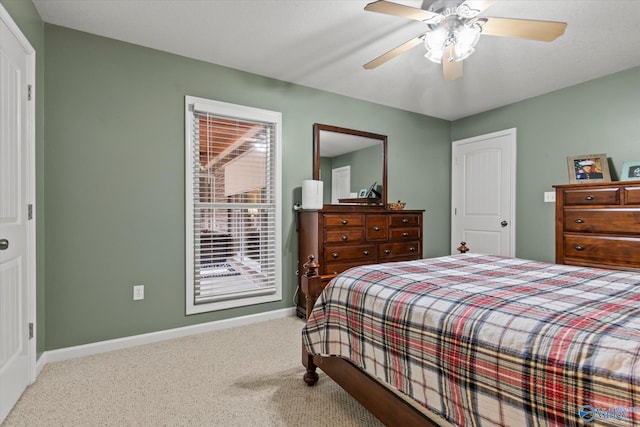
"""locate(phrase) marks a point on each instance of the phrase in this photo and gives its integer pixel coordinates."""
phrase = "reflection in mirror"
(350, 162)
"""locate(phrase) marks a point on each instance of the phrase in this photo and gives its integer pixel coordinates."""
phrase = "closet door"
(483, 193)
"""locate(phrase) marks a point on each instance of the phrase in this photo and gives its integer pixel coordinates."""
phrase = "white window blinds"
(232, 202)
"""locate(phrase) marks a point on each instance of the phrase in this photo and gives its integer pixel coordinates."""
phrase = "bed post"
(311, 283)
(311, 286)
(463, 249)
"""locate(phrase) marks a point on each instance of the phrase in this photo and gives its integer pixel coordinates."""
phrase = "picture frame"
(588, 168)
(362, 193)
(371, 190)
(630, 171)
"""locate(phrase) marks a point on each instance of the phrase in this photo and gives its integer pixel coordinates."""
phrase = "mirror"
(350, 162)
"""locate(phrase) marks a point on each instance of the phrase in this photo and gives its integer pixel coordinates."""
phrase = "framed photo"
(362, 193)
(588, 168)
(630, 171)
(371, 190)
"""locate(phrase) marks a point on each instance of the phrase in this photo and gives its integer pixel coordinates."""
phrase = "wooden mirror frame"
(317, 127)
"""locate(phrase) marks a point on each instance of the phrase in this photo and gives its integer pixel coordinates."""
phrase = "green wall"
(600, 116)
(114, 187)
(28, 20)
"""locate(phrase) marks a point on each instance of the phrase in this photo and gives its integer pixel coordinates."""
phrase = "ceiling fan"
(455, 28)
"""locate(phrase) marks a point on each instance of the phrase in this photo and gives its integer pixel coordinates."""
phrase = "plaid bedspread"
(486, 340)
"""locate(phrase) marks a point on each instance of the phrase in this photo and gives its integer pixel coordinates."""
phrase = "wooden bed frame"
(382, 402)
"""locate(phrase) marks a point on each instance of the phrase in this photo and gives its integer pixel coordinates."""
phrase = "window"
(233, 216)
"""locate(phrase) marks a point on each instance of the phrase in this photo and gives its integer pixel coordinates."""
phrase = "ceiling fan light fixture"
(466, 39)
(460, 54)
(435, 42)
(463, 37)
(432, 56)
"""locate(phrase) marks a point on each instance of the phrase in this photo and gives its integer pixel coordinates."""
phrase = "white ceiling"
(324, 43)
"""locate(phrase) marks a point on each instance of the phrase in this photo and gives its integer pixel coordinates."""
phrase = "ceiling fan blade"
(478, 6)
(522, 28)
(389, 8)
(451, 69)
(392, 53)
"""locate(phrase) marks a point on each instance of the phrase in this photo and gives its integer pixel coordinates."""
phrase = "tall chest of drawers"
(598, 225)
(341, 237)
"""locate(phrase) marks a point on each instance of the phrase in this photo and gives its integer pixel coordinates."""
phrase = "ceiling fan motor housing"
(447, 7)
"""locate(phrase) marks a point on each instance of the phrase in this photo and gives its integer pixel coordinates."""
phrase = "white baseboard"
(152, 337)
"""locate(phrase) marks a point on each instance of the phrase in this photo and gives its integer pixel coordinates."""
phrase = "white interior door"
(17, 232)
(483, 193)
(340, 183)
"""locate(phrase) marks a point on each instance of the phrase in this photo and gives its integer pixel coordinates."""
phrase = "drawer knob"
(405, 234)
(335, 254)
(376, 228)
(405, 220)
(589, 198)
(387, 251)
(579, 221)
(345, 238)
(366, 253)
(335, 272)
(412, 249)
(345, 222)
(579, 247)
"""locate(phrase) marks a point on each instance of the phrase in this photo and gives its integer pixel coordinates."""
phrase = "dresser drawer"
(410, 233)
(606, 250)
(337, 268)
(376, 227)
(346, 220)
(339, 254)
(346, 235)
(602, 220)
(388, 251)
(592, 196)
(632, 195)
(404, 220)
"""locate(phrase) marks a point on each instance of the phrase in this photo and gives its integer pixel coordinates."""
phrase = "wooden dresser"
(598, 225)
(344, 236)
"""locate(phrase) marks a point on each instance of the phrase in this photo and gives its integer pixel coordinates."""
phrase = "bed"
(483, 340)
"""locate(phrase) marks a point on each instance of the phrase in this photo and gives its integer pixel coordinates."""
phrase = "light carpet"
(245, 376)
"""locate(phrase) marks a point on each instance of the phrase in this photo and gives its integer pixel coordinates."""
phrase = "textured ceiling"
(324, 43)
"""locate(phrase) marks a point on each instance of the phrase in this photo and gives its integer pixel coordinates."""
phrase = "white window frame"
(239, 112)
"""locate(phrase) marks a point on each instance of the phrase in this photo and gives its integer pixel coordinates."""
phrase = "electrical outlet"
(549, 196)
(138, 292)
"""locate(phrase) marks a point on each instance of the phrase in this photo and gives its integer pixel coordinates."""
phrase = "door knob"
(504, 223)
(4, 244)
